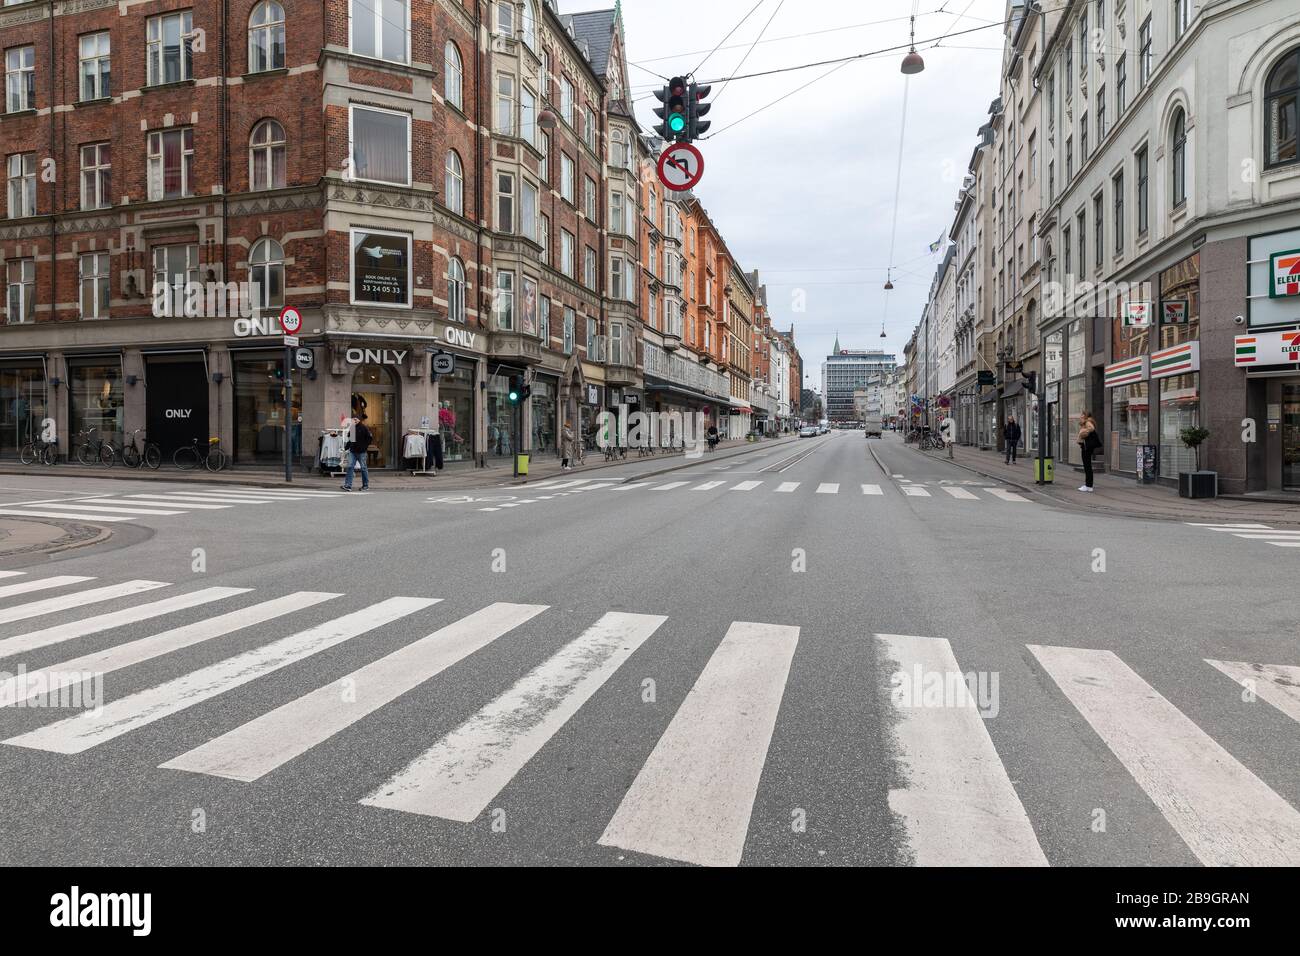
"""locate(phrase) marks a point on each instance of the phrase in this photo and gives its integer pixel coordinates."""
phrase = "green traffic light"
(514, 396)
(677, 122)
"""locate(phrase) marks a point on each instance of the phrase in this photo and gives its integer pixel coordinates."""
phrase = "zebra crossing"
(131, 506)
(1254, 532)
(692, 798)
(559, 488)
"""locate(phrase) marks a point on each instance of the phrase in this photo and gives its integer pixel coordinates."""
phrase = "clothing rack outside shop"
(425, 436)
(333, 454)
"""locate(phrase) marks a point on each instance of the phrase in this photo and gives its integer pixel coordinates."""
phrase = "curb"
(1064, 502)
(59, 545)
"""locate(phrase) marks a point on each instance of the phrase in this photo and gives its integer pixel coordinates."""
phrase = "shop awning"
(741, 410)
(661, 385)
(1012, 389)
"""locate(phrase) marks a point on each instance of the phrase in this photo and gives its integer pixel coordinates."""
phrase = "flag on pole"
(937, 244)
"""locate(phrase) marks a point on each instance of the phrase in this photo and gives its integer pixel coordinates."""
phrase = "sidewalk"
(1116, 495)
(46, 535)
(456, 478)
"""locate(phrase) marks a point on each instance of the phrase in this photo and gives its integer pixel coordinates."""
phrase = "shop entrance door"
(375, 393)
(176, 404)
(1291, 435)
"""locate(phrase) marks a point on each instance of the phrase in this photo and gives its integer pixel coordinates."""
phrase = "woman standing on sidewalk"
(1089, 442)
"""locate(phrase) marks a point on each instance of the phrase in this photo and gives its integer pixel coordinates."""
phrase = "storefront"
(1076, 391)
(376, 395)
(503, 417)
(176, 400)
(259, 407)
(544, 411)
(94, 399)
(456, 412)
(22, 402)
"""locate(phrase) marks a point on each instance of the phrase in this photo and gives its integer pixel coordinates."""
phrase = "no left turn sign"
(681, 166)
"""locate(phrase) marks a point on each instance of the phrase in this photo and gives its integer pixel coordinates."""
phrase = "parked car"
(809, 431)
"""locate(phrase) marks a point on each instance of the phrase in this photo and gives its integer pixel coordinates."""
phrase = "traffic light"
(695, 108)
(673, 111)
(516, 389)
(1031, 383)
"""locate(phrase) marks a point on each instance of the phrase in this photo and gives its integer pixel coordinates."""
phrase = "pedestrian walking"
(1011, 434)
(567, 453)
(358, 450)
(1089, 443)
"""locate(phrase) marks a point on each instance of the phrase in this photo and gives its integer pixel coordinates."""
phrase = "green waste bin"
(1043, 471)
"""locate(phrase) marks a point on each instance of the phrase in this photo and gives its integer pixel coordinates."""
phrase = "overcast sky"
(808, 185)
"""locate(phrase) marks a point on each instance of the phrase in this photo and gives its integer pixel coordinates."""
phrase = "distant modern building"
(849, 369)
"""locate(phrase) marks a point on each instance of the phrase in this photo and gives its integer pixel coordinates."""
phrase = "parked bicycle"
(45, 452)
(142, 453)
(191, 456)
(94, 451)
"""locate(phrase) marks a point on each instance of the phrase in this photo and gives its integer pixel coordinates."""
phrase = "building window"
(1081, 224)
(171, 163)
(528, 210)
(266, 37)
(591, 338)
(1099, 228)
(380, 29)
(616, 282)
(1083, 139)
(589, 197)
(566, 177)
(380, 145)
(566, 252)
(505, 121)
(566, 99)
(1065, 252)
(1182, 18)
(530, 25)
(453, 183)
(174, 267)
(1069, 160)
(618, 151)
(506, 18)
(1117, 193)
(1101, 114)
(544, 147)
(528, 115)
(266, 155)
(22, 185)
(1178, 158)
(570, 321)
(1281, 93)
(170, 48)
(266, 272)
(1144, 52)
(1121, 83)
(20, 298)
(504, 301)
(544, 237)
(453, 72)
(589, 267)
(95, 71)
(589, 134)
(544, 321)
(616, 343)
(1142, 192)
(96, 170)
(1033, 157)
(616, 212)
(505, 202)
(381, 268)
(20, 79)
(455, 290)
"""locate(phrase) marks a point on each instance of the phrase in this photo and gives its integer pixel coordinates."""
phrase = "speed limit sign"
(290, 320)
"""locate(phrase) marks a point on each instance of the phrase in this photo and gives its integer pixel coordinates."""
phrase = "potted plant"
(1198, 483)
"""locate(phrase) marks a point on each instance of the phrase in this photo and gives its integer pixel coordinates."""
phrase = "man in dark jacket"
(1011, 434)
(357, 451)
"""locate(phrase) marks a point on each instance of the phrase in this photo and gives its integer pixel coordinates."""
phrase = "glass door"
(1291, 436)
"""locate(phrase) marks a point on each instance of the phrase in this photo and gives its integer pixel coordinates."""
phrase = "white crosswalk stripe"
(79, 733)
(872, 490)
(747, 486)
(787, 486)
(694, 795)
(1275, 537)
(915, 491)
(670, 486)
(708, 485)
(165, 503)
(828, 488)
(957, 804)
(1225, 814)
(1005, 495)
(460, 775)
(41, 584)
(961, 494)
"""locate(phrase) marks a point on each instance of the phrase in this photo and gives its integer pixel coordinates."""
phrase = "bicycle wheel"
(216, 459)
(107, 455)
(29, 454)
(49, 454)
(131, 456)
(185, 458)
(152, 456)
(87, 454)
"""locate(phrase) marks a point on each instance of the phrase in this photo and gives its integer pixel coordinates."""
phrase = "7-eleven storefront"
(1271, 361)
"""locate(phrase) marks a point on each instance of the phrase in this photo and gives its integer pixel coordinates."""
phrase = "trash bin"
(521, 464)
(1147, 466)
(1043, 470)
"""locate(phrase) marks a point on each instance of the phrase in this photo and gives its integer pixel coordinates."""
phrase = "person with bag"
(567, 451)
(1089, 444)
(1011, 435)
(357, 452)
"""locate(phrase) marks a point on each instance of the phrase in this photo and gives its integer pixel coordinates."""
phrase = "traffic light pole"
(1042, 439)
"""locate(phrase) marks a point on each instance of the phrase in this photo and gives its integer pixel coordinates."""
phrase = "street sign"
(444, 363)
(681, 166)
(303, 358)
(290, 341)
(290, 320)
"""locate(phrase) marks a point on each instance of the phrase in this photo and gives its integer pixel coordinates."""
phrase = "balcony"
(620, 371)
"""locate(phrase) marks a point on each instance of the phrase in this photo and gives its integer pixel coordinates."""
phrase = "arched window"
(266, 272)
(530, 24)
(1178, 157)
(266, 154)
(455, 290)
(451, 75)
(454, 184)
(266, 37)
(618, 150)
(1281, 93)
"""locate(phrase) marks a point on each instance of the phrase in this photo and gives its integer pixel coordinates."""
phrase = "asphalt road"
(647, 672)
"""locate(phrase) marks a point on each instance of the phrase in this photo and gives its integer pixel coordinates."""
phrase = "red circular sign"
(681, 166)
(290, 320)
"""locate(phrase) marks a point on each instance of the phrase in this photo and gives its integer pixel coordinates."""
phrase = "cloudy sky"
(804, 191)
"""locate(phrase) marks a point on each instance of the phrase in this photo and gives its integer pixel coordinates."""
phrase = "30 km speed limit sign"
(681, 166)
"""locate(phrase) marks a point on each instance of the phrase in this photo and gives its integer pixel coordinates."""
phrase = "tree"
(1192, 437)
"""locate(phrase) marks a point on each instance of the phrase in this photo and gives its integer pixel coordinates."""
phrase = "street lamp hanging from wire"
(912, 63)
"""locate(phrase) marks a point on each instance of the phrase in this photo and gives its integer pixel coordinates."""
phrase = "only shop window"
(95, 397)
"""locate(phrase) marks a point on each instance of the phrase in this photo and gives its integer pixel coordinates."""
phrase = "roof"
(595, 30)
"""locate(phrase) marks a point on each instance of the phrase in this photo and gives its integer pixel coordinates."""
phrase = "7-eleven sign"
(1284, 274)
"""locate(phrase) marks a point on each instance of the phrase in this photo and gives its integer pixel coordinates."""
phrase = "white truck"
(874, 424)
